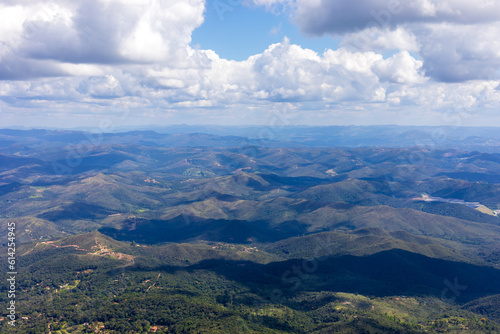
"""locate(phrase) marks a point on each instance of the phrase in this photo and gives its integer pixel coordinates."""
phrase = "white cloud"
(464, 98)
(99, 55)
(381, 39)
(456, 39)
(105, 87)
(401, 68)
(453, 53)
(95, 31)
(343, 16)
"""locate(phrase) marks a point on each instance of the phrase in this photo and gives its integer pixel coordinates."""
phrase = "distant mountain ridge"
(483, 139)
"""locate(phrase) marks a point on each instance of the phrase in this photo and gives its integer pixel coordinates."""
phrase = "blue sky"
(236, 31)
(104, 64)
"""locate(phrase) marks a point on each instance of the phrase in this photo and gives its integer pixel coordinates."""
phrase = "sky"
(104, 64)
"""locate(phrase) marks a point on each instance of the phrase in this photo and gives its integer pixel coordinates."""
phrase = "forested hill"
(188, 233)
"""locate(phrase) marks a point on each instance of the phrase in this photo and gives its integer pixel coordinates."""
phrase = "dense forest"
(131, 235)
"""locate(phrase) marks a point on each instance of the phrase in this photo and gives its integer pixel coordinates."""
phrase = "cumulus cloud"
(96, 55)
(454, 38)
(343, 16)
(283, 73)
(454, 53)
(95, 31)
(401, 68)
(382, 39)
(452, 99)
(105, 87)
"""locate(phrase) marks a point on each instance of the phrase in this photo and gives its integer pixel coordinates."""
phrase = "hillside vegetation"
(198, 233)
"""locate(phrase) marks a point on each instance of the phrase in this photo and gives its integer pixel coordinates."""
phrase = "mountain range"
(208, 232)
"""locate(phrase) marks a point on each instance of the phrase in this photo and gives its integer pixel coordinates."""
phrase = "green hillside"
(197, 233)
(73, 285)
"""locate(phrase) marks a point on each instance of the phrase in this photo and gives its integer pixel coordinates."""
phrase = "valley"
(197, 233)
